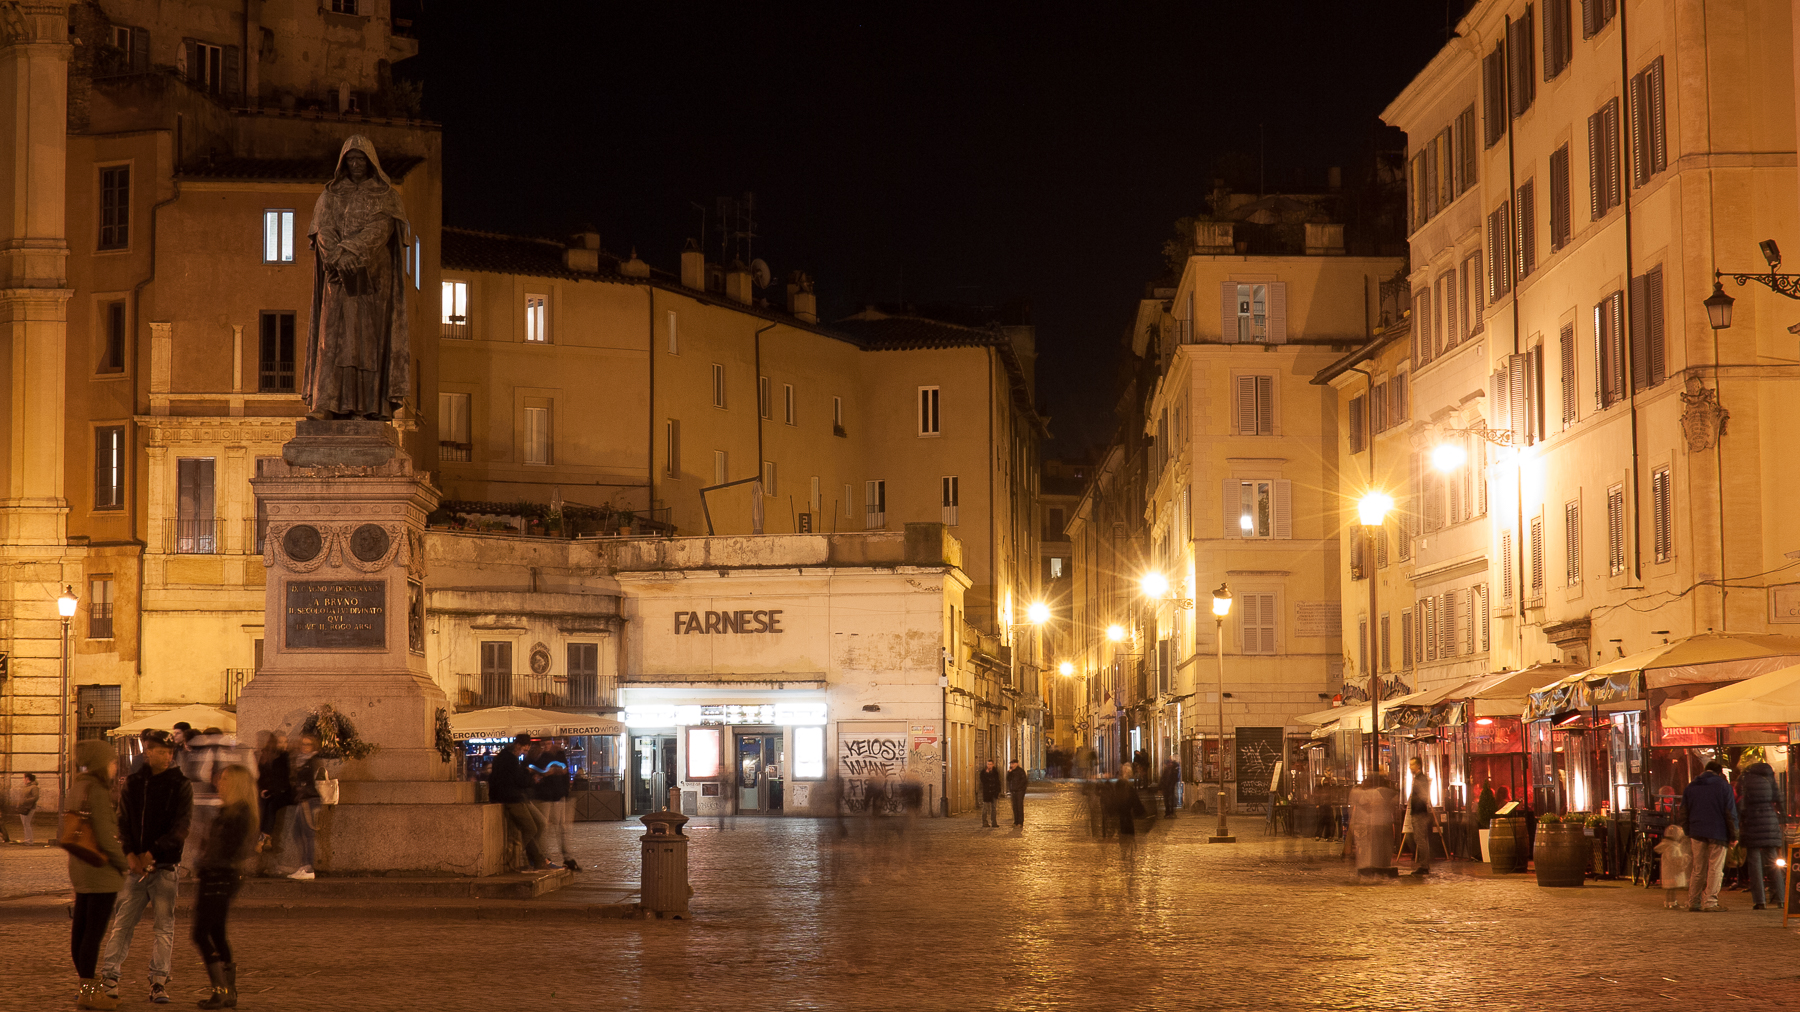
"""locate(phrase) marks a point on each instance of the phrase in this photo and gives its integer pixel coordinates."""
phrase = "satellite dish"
(759, 272)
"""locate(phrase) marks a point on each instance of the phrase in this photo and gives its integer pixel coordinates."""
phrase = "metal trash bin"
(663, 886)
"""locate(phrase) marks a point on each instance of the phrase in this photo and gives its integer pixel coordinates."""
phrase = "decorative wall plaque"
(370, 543)
(336, 614)
(302, 543)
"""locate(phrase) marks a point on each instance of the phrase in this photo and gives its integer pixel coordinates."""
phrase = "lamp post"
(1372, 510)
(1221, 606)
(65, 606)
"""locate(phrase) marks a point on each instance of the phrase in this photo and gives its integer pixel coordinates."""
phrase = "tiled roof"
(467, 250)
(901, 333)
(290, 170)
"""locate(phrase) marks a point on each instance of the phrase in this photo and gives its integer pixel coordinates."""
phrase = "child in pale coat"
(1674, 851)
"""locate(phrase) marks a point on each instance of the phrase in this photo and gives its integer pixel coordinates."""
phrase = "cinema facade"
(767, 675)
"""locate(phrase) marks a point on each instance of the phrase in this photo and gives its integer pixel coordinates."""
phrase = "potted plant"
(1561, 851)
(1485, 807)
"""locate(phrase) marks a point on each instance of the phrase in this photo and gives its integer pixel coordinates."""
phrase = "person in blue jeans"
(1761, 818)
(155, 807)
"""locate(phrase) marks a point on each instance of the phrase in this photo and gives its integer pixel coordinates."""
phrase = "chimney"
(634, 268)
(802, 303)
(737, 283)
(1213, 238)
(583, 252)
(1324, 239)
(693, 267)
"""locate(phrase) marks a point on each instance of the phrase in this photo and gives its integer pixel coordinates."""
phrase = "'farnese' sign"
(712, 623)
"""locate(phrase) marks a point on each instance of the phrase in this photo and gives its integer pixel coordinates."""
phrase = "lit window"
(928, 411)
(809, 753)
(453, 426)
(109, 467)
(537, 435)
(456, 309)
(718, 385)
(537, 320)
(100, 608)
(278, 237)
(768, 477)
(1252, 313)
(952, 489)
(874, 505)
(703, 753)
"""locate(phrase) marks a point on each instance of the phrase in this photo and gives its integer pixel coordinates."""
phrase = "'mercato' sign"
(709, 623)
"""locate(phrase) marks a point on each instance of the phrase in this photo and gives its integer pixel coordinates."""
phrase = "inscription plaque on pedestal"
(336, 614)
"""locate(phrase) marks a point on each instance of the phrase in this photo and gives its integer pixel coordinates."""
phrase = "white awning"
(506, 721)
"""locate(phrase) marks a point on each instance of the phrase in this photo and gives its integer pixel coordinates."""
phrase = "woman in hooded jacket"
(1761, 816)
(96, 886)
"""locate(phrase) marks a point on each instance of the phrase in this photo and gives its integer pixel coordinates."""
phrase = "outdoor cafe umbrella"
(198, 716)
(506, 721)
(1773, 698)
(1706, 657)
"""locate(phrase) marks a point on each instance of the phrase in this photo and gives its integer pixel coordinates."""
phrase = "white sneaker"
(304, 875)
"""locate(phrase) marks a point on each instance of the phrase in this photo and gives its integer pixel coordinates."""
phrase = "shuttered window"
(1378, 409)
(1362, 644)
(1603, 160)
(1406, 639)
(1525, 236)
(1572, 543)
(1499, 251)
(1358, 434)
(1258, 508)
(1647, 356)
(1615, 530)
(1566, 349)
(1559, 45)
(1493, 95)
(1398, 405)
(1448, 623)
(1443, 153)
(1387, 655)
(1595, 15)
(1559, 198)
(1428, 647)
(1609, 350)
(1381, 547)
(1537, 557)
(1649, 145)
(1257, 624)
(1506, 567)
(1466, 150)
(1521, 79)
(1421, 200)
(1256, 405)
(1424, 346)
(1478, 467)
(1661, 507)
(1482, 613)
(1471, 288)
(1357, 537)
(1466, 604)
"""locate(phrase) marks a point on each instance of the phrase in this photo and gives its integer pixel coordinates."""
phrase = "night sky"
(967, 153)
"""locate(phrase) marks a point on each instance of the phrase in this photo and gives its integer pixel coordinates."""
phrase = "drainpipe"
(1637, 522)
(650, 420)
(1513, 285)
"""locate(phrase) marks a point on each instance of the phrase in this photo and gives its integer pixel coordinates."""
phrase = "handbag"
(327, 787)
(77, 836)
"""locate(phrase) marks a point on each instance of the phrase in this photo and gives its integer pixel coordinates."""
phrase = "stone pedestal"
(345, 627)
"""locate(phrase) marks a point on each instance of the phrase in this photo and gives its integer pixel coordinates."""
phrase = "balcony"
(543, 692)
(194, 536)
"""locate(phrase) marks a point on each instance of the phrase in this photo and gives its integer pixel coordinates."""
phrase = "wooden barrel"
(1506, 855)
(1561, 855)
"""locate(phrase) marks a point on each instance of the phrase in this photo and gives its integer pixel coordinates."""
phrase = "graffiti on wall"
(1258, 751)
(871, 767)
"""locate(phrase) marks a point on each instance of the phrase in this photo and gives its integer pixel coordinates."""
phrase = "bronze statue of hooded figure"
(358, 361)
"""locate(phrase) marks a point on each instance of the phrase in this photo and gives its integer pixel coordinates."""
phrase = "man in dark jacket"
(155, 808)
(509, 783)
(990, 793)
(1709, 814)
(1763, 816)
(1169, 782)
(1016, 783)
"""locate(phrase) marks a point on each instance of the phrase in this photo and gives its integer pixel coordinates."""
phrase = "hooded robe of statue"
(358, 360)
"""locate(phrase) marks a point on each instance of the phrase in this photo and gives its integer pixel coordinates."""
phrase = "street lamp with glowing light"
(1718, 307)
(1448, 456)
(1115, 633)
(1066, 668)
(65, 607)
(1038, 613)
(1221, 607)
(1221, 601)
(1154, 585)
(1373, 508)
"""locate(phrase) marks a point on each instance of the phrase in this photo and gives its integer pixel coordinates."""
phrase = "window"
(496, 673)
(1609, 350)
(928, 411)
(537, 435)
(96, 711)
(453, 427)
(1493, 95)
(109, 467)
(1465, 150)
(1595, 15)
(1559, 198)
(1499, 250)
(952, 498)
(1443, 310)
(1055, 568)
(418, 263)
(1358, 570)
(115, 207)
(1398, 404)
(849, 503)
(1566, 344)
(672, 446)
(1603, 160)
(1521, 81)
(344, 6)
(537, 320)
(1480, 602)
(1257, 624)
(1256, 405)
(874, 505)
(278, 237)
(815, 498)
(584, 674)
(1378, 405)
(1572, 543)
(837, 416)
(768, 477)
(1406, 639)
(1525, 238)
(1362, 644)
(674, 335)
(1615, 530)
(456, 309)
(1357, 426)
(1387, 663)
(1649, 150)
(1647, 360)
(207, 66)
(262, 534)
(1252, 313)
(112, 347)
(788, 409)
(1447, 626)
(1663, 517)
(275, 366)
(720, 469)
(1421, 193)
(1258, 508)
(1428, 628)
(718, 390)
(1518, 390)
(100, 608)
(194, 524)
(1471, 288)
(762, 397)
(1537, 557)
(1506, 570)
(1559, 44)
(134, 50)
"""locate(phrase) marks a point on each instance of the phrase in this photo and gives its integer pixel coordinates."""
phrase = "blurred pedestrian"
(1710, 816)
(275, 793)
(1093, 799)
(303, 773)
(990, 795)
(198, 759)
(230, 840)
(1017, 783)
(155, 807)
(509, 783)
(1763, 816)
(1126, 807)
(1675, 858)
(96, 885)
(1373, 805)
(1140, 767)
(552, 793)
(28, 803)
(1422, 818)
(1169, 782)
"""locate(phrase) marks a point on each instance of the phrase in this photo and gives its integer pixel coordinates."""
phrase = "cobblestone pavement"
(946, 914)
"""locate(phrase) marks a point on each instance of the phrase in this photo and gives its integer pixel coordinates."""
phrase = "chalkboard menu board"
(1258, 750)
(336, 614)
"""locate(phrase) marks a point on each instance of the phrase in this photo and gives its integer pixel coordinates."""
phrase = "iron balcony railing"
(478, 691)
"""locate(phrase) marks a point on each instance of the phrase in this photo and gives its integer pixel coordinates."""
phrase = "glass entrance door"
(759, 780)
(652, 771)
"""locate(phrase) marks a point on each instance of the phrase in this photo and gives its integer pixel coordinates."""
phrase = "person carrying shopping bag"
(97, 864)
